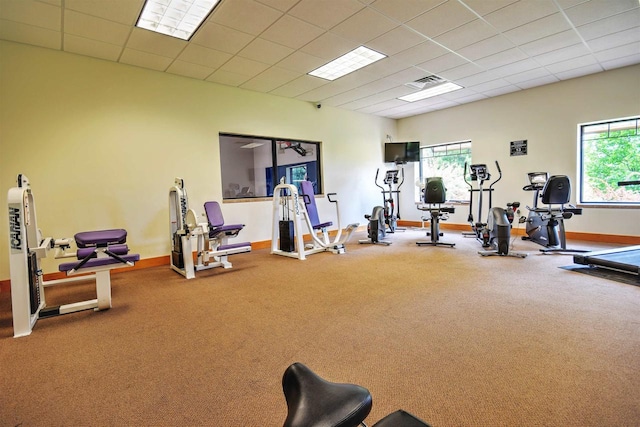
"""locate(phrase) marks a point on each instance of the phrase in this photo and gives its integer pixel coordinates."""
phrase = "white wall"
(102, 143)
(547, 117)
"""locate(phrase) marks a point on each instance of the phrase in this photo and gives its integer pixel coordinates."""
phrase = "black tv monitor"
(401, 152)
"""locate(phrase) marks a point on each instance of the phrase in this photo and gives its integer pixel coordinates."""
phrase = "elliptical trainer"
(496, 232)
(391, 214)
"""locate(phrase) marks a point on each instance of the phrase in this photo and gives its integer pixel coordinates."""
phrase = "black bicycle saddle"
(315, 402)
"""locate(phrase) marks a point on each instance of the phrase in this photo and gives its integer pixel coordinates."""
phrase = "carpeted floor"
(455, 338)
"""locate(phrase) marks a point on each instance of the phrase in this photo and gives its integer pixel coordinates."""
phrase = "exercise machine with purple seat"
(313, 401)
(98, 252)
(288, 214)
(212, 236)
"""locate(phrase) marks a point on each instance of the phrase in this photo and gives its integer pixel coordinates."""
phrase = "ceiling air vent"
(425, 82)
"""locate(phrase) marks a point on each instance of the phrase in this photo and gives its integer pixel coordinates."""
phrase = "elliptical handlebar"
(499, 175)
(376, 180)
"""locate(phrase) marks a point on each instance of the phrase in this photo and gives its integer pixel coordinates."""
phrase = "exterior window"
(609, 154)
(252, 166)
(447, 161)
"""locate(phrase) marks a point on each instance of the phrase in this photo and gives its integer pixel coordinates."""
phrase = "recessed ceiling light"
(432, 91)
(176, 18)
(348, 63)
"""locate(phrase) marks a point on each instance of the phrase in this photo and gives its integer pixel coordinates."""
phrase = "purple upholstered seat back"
(310, 202)
(214, 214)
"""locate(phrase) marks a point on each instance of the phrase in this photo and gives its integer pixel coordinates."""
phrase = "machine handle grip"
(329, 197)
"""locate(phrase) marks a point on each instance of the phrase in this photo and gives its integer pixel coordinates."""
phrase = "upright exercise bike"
(495, 234)
(314, 401)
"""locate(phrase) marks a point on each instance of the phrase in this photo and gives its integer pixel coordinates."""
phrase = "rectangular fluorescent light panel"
(176, 18)
(347, 63)
(252, 145)
(432, 91)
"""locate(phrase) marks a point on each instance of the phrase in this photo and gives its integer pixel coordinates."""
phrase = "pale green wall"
(102, 142)
(547, 117)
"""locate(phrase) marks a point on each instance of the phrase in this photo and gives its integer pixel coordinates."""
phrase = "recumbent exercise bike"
(315, 402)
(434, 195)
(496, 232)
(545, 225)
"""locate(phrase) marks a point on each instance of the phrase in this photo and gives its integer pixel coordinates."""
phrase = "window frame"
(275, 143)
(581, 168)
(447, 146)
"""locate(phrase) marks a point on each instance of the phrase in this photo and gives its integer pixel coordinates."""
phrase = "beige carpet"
(454, 338)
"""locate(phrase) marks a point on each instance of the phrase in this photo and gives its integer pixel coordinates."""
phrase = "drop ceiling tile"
(219, 37)
(528, 75)
(611, 41)
(244, 66)
(234, 14)
(364, 26)
(158, 44)
(579, 72)
(612, 24)
(501, 91)
(488, 86)
(500, 59)
(227, 78)
(631, 49)
(299, 86)
(477, 79)
(301, 62)
(595, 10)
(408, 75)
(551, 43)
(122, 11)
(32, 13)
(264, 51)
(441, 19)
(404, 10)
(28, 34)
(443, 62)
(520, 13)
(467, 34)
(579, 62)
(396, 40)
(559, 55)
(516, 67)
(145, 59)
(270, 79)
(90, 47)
(189, 69)
(484, 7)
(486, 47)
(540, 81)
(329, 46)
(200, 55)
(90, 27)
(281, 5)
(621, 62)
(292, 32)
(386, 66)
(326, 13)
(540, 28)
(421, 53)
(457, 73)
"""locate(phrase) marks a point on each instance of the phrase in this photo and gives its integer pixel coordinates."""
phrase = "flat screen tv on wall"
(401, 152)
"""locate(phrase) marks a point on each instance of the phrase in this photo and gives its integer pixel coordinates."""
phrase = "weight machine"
(98, 252)
(287, 233)
(213, 247)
